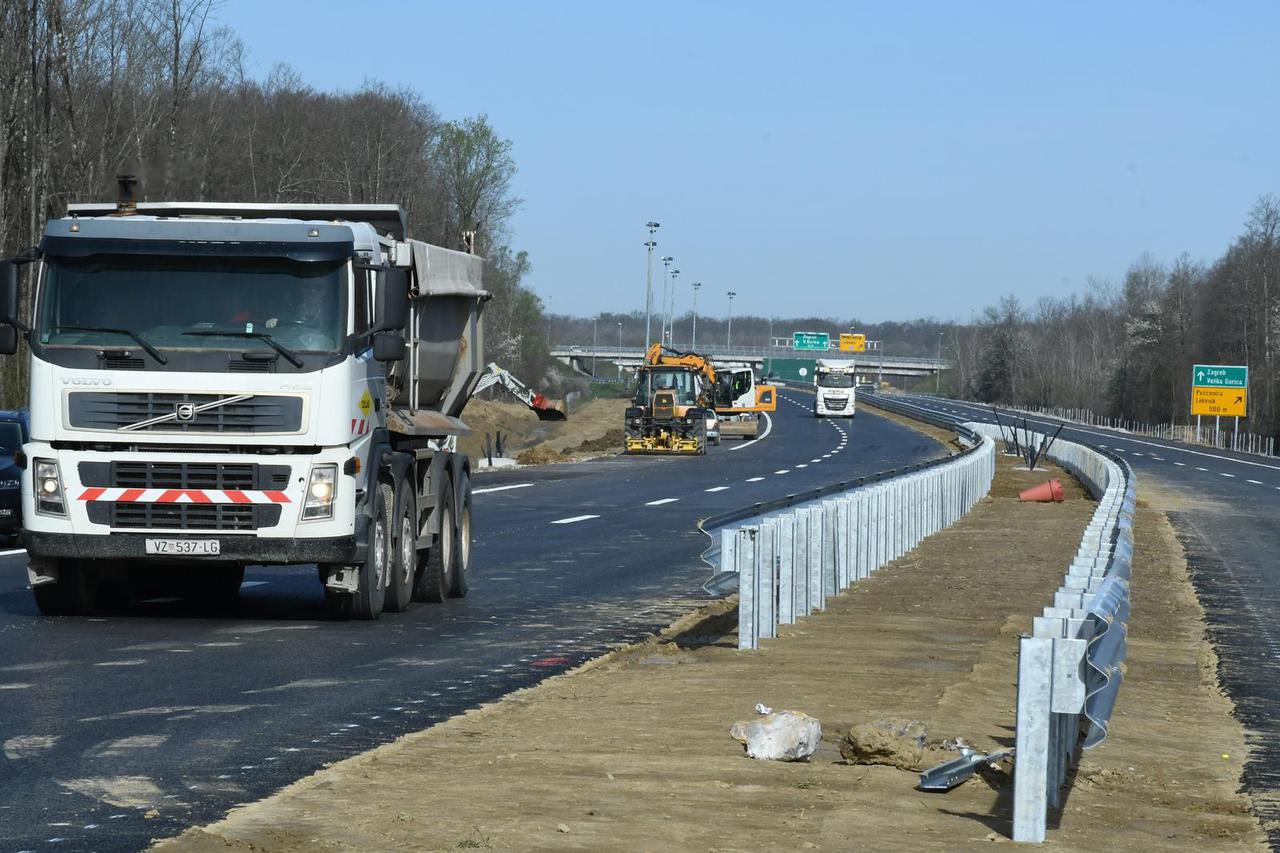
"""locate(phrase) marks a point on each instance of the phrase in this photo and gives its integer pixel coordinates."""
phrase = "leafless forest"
(93, 88)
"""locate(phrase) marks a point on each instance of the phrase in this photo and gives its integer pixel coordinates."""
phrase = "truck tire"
(460, 582)
(434, 581)
(371, 592)
(72, 595)
(404, 554)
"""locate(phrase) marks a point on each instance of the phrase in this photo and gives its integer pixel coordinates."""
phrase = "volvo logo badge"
(185, 411)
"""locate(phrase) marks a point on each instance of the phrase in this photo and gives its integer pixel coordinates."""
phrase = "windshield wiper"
(261, 336)
(151, 351)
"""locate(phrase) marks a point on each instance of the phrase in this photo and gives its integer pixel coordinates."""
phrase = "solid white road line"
(14, 551)
(768, 428)
(716, 489)
(662, 501)
(574, 519)
(501, 488)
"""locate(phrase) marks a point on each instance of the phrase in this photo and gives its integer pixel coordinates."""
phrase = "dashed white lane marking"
(247, 584)
(15, 686)
(716, 489)
(14, 551)
(1225, 474)
(1181, 464)
(501, 488)
(803, 465)
(661, 501)
(574, 519)
(1202, 469)
(768, 428)
(783, 471)
(754, 479)
(1255, 482)
(815, 460)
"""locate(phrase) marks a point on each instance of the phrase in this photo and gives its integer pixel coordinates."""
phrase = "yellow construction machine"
(673, 401)
(739, 401)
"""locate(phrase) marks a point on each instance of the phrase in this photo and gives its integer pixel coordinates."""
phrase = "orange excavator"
(674, 393)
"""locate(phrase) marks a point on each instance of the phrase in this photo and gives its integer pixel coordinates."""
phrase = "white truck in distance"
(218, 385)
(834, 383)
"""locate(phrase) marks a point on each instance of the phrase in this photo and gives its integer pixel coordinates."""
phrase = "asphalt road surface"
(1230, 528)
(121, 727)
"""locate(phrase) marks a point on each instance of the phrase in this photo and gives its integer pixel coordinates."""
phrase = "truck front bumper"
(234, 549)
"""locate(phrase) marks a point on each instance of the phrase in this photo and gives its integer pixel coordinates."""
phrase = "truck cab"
(834, 391)
(217, 385)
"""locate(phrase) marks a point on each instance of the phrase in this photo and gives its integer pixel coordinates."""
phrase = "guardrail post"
(830, 546)
(817, 601)
(843, 538)
(745, 553)
(1031, 772)
(767, 579)
(786, 570)
(801, 601)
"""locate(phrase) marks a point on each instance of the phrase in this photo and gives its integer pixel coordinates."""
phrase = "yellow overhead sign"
(853, 343)
(1226, 402)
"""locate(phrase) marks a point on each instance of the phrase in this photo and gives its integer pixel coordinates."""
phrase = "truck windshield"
(162, 299)
(835, 380)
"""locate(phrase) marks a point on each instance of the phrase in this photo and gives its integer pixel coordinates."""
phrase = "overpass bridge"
(610, 359)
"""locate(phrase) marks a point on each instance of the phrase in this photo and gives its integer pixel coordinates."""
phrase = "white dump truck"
(834, 383)
(219, 385)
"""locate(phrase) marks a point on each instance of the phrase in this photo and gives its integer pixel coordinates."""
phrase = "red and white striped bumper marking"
(183, 496)
(359, 426)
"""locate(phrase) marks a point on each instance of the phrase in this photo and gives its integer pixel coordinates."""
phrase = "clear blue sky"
(887, 161)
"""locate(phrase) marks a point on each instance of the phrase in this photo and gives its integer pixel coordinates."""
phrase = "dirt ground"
(592, 427)
(632, 751)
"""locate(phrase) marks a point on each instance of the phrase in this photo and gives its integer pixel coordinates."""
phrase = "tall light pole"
(697, 285)
(619, 351)
(666, 268)
(671, 309)
(728, 340)
(593, 345)
(937, 369)
(648, 282)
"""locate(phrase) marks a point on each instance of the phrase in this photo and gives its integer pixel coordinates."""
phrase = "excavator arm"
(541, 406)
(660, 356)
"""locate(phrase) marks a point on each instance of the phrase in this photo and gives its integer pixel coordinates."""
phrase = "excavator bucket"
(550, 414)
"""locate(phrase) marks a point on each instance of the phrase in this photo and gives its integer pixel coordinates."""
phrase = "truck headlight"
(48, 488)
(320, 489)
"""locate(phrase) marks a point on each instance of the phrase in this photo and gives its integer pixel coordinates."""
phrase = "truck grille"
(111, 410)
(141, 516)
(244, 476)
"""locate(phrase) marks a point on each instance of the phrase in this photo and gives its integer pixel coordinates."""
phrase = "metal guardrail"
(798, 552)
(608, 351)
(1071, 666)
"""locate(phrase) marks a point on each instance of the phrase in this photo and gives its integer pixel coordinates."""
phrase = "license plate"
(179, 547)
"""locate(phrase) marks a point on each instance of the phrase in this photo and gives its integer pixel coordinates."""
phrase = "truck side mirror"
(8, 307)
(392, 300)
(388, 346)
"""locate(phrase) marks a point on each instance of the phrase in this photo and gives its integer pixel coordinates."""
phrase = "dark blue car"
(15, 430)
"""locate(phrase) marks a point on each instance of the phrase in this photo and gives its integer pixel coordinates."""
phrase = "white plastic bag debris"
(784, 736)
(762, 708)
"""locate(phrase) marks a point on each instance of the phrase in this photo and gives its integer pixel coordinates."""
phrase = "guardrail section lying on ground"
(790, 559)
(1071, 665)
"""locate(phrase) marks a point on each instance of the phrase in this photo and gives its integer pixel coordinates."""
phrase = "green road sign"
(1220, 376)
(811, 340)
(789, 369)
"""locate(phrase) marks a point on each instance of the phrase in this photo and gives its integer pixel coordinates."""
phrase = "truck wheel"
(404, 556)
(460, 582)
(434, 582)
(371, 592)
(71, 595)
